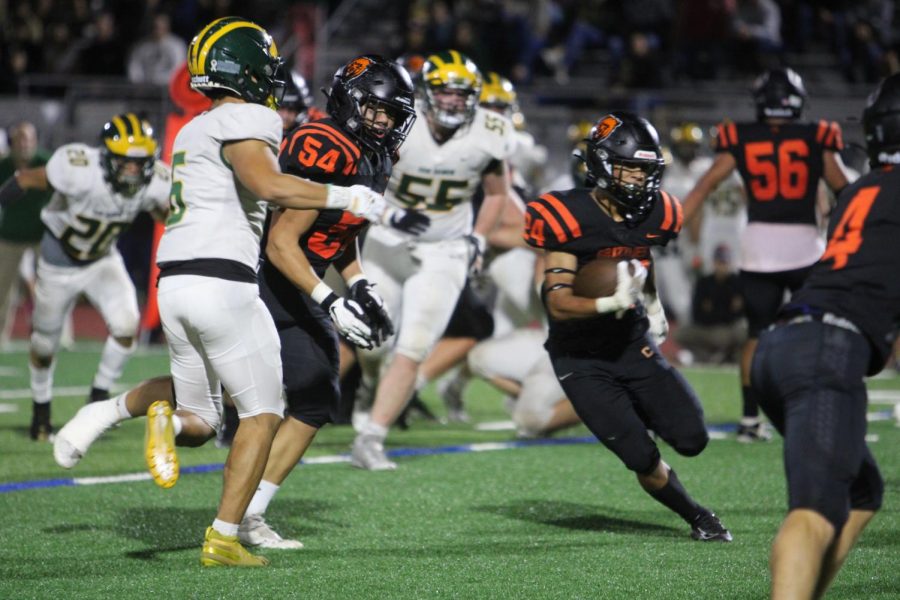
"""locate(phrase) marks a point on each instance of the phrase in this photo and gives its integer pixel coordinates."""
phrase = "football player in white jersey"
(218, 330)
(98, 192)
(453, 146)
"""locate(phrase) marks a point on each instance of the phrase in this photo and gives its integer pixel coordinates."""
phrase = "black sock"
(751, 405)
(674, 497)
(40, 412)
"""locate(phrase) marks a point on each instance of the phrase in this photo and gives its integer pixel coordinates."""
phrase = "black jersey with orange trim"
(572, 221)
(858, 276)
(780, 165)
(324, 152)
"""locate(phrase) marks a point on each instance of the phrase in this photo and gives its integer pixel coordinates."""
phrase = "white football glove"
(659, 326)
(628, 289)
(359, 200)
(347, 315)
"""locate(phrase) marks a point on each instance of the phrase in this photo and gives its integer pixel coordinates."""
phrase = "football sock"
(112, 362)
(674, 497)
(230, 529)
(751, 406)
(41, 383)
(260, 501)
(375, 430)
(121, 408)
(177, 425)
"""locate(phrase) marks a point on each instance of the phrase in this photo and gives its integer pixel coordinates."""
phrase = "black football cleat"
(41, 430)
(98, 394)
(708, 528)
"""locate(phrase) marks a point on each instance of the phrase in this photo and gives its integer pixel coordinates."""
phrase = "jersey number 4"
(847, 236)
(778, 171)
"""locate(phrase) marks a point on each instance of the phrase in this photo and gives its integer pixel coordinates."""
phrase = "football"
(597, 278)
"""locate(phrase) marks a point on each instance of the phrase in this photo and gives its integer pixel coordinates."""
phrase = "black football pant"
(619, 400)
(809, 378)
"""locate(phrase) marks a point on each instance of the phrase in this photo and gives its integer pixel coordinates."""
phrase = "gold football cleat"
(226, 551)
(159, 445)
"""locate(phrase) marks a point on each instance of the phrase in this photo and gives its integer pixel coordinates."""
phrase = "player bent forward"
(607, 362)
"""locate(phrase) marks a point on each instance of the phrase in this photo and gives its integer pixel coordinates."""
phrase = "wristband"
(608, 304)
(324, 295)
(356, 279)
(338, 197)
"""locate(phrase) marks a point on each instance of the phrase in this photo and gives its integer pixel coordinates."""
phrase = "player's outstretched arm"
(721, 168)
(257, 168)
(834, 173)
(23, 180)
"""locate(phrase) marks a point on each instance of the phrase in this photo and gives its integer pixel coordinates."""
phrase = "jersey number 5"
(847, 236)
(176, 202)
(778, 171)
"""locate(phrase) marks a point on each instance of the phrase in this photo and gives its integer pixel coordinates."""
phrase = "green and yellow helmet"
(498, 94)
(687, 139)
(235, 55)
(128, 151)
(446, 71)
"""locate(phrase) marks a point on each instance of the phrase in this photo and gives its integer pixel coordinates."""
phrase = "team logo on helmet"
(604, 127)
(357, 67)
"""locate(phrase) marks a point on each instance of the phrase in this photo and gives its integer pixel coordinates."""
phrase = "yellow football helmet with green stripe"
(450, 71)
(498, 94)
(232, 55)
(127, 153)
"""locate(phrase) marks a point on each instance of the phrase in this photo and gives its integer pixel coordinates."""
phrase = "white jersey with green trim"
(212, 215)
(440, 179)
(85, 213)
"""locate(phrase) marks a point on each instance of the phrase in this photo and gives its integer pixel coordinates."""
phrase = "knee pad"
(691, 445)
(534, 408)
(43, 343)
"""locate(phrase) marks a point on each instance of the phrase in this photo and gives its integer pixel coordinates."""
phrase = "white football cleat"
(368, 453)
(254, 531)
(82, 430)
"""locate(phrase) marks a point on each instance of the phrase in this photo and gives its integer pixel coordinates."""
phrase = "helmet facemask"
(128, 152)
(383, 124)
(451, 106)
(632, 184)
(127, 174)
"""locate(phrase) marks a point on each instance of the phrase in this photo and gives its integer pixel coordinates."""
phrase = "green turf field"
(544, 521)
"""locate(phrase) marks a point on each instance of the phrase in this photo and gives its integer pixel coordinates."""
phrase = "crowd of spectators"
(642, 43)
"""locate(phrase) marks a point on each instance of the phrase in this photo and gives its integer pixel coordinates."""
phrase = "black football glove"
(379, 320)
(408, 221)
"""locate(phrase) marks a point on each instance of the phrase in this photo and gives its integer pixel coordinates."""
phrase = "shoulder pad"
(319, 147)
(549, 223)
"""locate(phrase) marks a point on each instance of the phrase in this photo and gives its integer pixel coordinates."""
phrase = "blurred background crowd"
(66, 66)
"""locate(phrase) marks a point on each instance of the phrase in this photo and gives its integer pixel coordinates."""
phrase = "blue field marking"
(18, 486)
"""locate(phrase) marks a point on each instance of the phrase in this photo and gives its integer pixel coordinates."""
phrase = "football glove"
(477, 246)
(628, 289)
(407, 221)
(363, 293)
(357, 199)
(347, 315)
(659, 326)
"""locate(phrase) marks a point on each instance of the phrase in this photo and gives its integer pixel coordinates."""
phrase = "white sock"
(749, 421)
(261, 499)
(41, 383)
(121, 409)
(375, 430)
(224, 528)
(112, 362)
(177, 425)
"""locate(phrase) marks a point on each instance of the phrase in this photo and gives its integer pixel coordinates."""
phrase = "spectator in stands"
(20, 221)
(701, 27)
(756, 27)
(718, 330)
(157, 56)
(101, 52)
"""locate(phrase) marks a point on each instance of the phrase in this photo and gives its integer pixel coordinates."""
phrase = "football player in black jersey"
(604, 350)
(780, 160)
(809, 368)
(370, 108)
(296, 106)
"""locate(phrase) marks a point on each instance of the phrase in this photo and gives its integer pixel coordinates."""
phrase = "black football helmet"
(372, 82)
(881, 123)
(296, 95)
(779, 94)
(624, 140)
